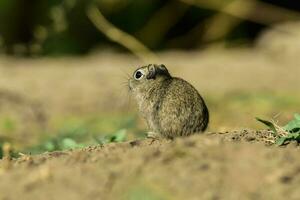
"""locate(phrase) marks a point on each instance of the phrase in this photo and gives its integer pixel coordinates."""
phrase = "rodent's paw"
(153, 135)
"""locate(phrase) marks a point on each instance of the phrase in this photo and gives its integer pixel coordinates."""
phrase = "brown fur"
(171, 106)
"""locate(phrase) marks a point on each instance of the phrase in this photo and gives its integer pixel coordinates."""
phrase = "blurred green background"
(54, 27)
(62, 64)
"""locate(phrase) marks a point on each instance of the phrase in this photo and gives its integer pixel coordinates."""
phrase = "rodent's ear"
(163, 68)
(151, 72)
(154, 70)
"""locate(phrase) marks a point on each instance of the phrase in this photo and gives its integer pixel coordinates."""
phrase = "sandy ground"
(237, 165)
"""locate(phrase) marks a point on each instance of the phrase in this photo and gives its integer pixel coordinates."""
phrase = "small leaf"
(269, 124)
(293, 125)
(293, 136)
(290, 136)
(49, 146)
(68, 143)
(100, 140)
(119, 136)
(280, 141)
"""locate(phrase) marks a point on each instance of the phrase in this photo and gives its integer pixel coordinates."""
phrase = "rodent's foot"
(153, 135)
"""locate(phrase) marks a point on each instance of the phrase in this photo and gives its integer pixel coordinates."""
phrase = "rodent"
(171, 106)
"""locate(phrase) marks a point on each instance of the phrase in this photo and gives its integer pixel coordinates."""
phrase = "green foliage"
(294, 125)
(76, 138)
(269, 124)
(288, 137)
(119, 136)
(291, 131)
(56, 144)
(73, 133)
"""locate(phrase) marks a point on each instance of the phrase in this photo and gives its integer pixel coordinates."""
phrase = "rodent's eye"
(138, 75)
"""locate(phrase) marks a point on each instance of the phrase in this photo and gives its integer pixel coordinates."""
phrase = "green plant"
(281, 134)
(72, 141)
(119, 136)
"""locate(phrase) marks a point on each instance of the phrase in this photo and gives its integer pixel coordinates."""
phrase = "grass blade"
(269, 124)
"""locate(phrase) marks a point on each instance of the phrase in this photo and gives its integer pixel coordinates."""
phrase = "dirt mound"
(208, 166)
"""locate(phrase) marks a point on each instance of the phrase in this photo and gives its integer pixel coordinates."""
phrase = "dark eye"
(138, 75)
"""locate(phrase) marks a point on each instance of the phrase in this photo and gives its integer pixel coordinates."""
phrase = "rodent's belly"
(149, 113)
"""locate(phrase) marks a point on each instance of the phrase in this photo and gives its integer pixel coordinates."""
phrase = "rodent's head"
(146, 76)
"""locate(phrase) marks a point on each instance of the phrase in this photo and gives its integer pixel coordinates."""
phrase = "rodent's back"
(179, 109)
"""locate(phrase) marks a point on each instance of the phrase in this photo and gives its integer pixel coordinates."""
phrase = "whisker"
(124, 84)
(126, 75)
(128, 102)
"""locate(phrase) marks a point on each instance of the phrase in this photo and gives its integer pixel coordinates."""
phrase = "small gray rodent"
(171, 106)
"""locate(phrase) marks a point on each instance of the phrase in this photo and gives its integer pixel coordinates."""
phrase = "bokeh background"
(64, 65)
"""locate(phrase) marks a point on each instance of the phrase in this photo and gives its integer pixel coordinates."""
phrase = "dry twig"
(119, 36)
(251, 10)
